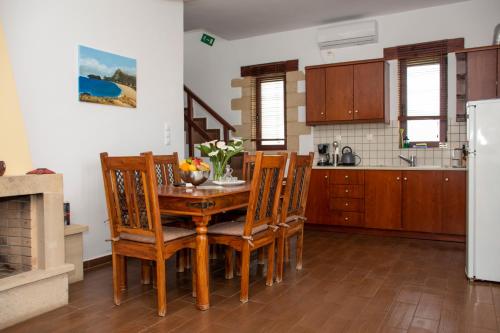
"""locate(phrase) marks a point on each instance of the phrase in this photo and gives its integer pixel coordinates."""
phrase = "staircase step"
(202, 122)
(214, 134)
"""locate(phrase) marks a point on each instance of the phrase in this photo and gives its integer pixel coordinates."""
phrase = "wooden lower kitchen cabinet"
(422, 201)
(317, 209)
(416, 203)
(347, 198)
(454, 202)
(383, 199)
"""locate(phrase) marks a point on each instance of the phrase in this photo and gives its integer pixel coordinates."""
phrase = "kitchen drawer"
(348, 177)
(348, 191)
(347, 204)
(348, 218)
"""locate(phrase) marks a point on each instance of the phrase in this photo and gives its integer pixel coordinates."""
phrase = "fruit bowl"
(195, 177)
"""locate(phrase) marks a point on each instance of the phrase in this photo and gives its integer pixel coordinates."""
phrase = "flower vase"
(219, 167)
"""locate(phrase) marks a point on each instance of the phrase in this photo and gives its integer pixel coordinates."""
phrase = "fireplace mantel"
(45, 287)
(30, 184)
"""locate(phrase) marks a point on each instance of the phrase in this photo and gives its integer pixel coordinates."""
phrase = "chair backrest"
(132, 195)
(167, 169)
(265, 191)
(297, 185)
(248, 166)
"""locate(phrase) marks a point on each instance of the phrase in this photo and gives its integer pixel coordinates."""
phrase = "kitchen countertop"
(405, 168)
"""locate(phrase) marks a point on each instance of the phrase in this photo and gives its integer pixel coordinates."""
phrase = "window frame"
(437, 48)
(258, 139)
(443, 97)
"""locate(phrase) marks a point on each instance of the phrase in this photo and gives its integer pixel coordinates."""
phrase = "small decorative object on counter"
(456, 158)
(465, 154)
(3, 166)
(220, 153)
(67, 213)
(40, 171)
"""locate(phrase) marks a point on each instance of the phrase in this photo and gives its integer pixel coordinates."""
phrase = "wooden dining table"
(201, 203)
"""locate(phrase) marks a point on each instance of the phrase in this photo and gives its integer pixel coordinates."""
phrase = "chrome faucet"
(412, 160)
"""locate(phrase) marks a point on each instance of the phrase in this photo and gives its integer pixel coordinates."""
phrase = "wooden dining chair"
(167, 169)
(292, 215)
(259, 228)
(167, 173)
(248, 166)
(135, 225)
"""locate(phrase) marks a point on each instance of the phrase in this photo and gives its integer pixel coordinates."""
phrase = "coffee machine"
(324, 155)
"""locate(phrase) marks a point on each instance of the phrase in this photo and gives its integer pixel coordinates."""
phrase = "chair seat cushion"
(169, 234)
(293, 218)
(233, 228)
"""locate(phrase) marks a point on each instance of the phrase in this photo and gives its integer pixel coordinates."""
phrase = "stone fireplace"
(15, 235)
(33, 274)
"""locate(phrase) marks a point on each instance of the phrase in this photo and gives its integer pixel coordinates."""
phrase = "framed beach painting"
(106, 78)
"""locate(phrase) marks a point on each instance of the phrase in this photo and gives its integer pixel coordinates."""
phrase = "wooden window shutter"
(270, 68)
(253, 108)
(435, 52)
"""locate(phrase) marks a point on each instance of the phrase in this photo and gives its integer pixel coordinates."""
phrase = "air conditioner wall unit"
(350, 34)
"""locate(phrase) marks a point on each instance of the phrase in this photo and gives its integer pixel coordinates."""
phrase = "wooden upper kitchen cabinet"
(422, 201)
(383, 199)
(454, 202)
(478, 73)
(315, 95)
(369, 97)
(317, 209)
(339, 93)
(352, 92)
(482, 74)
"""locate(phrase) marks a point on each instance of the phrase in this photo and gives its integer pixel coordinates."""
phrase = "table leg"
(202, 279)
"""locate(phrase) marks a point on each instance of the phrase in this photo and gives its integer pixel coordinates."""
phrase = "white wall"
(66, 135)
(474, 20)
(208, 71)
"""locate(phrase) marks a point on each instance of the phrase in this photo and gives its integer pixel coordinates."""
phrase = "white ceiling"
(235, 19)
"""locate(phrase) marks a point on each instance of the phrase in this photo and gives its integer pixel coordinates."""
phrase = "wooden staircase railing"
(191, 125)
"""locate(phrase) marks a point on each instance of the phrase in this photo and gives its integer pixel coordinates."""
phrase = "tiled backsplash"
(378, 144)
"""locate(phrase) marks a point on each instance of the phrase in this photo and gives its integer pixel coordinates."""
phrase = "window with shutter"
(271, 117)
(268, 103)
(423, 89)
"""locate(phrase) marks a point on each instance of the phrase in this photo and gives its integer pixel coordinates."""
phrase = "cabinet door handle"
(349, 111)
(346, 218)
(355, 111)
(322, 113)
(346, 176)
(446, 179)
(346, 191)
(326, 177)
(397, 178)
(405, 179)
(347, 204)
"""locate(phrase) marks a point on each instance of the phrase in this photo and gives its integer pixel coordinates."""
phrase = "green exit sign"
(207, 39)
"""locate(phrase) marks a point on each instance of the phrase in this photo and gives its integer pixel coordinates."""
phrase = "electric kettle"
(348, 157)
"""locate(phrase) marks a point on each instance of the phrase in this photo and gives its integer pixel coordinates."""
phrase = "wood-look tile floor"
(350, 283)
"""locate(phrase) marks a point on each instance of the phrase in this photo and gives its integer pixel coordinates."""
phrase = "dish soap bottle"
(406, 142)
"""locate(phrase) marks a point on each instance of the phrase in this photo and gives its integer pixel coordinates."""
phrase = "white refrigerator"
(483, 190)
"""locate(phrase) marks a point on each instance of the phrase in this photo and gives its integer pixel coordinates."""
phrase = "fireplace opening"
(15, 235)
